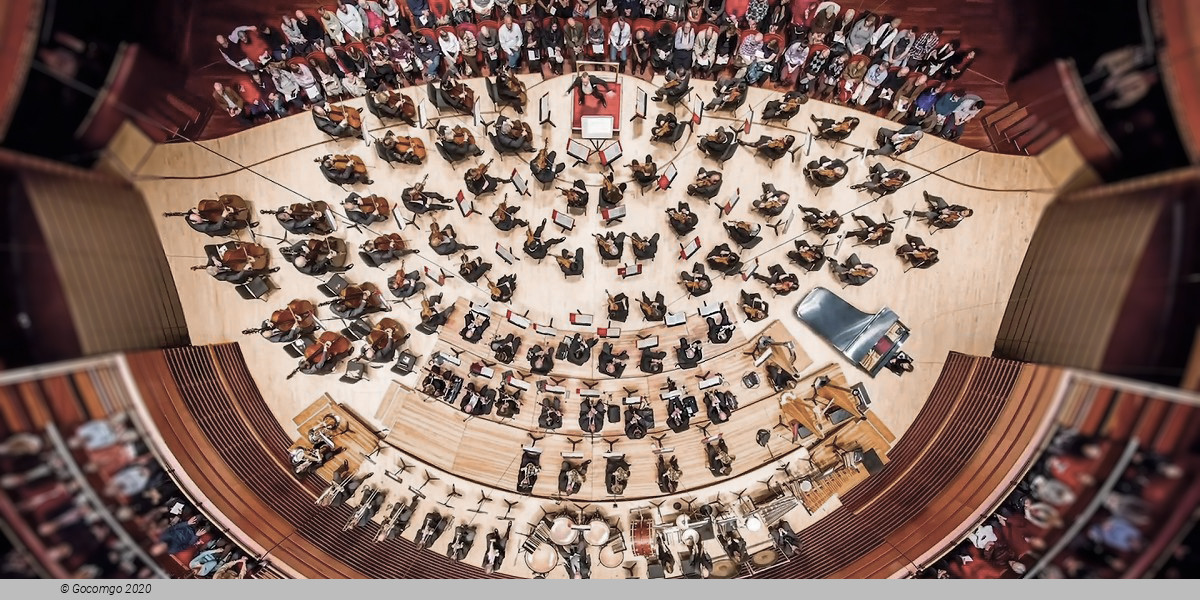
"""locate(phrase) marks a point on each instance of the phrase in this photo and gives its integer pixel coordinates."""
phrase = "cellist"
(457, 143)
(355, 301)
(365, 210)
(383, 340)
(342, 169)
(401, 148)
(303, 218)
(239, 264)
(323, 355)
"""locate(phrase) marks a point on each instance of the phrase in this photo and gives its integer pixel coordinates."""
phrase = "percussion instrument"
(611, 557)
(683, 521)
(543, 560)
(764, 558)
(598, 532)
(642, 538)
(563, 532)
(806, 486)
(350, 115)
(724, 569)
(690, 538)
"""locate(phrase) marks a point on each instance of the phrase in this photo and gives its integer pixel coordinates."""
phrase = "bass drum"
(642, 545)
(611, 557)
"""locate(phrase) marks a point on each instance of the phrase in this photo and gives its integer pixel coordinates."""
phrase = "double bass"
(298, 313)
(244, 256)
(348, 114)
(331, 345)
(383, 335)
(227, 207)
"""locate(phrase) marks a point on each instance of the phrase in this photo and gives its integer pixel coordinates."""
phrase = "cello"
(348, 114)
(403, 146)
(330, 346)
(382, 336)
(375, 205)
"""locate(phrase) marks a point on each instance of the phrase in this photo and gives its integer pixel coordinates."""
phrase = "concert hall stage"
(591, 107)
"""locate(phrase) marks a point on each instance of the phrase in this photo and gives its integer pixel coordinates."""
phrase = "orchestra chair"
(356, 370)
(334, 286)
(255, 289)
(357, 329)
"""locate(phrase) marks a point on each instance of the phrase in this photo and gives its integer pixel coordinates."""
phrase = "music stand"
(466, 206)
(668, 176)
(689, 250)
(732, 202)
(580, 319)
(628, 271)
(697, 110)
(423, 115)
(749, 120)
(506, 254)
(578, 151)
(476, 116)
(640, 102)
(611, 154)
(544, 110)
(519, 183)
(614, 214)
(563, 220)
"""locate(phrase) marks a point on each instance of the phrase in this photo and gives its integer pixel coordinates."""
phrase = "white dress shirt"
(511, 38)
(620, 35)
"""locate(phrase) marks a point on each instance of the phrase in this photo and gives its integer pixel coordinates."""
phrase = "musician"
(534, 246)
(754, 306)
(697, 282)
(723, 259)
(420, 201)
(288, 324)
(323, 355)
(318, 256)
(644, 248)
(772, 148)
(663, 551)
(304, 219)
(638, 420)
(384, 249)
(505, 348)
(367, 210)
(743, 232)
(853, 271)
(576, 195)
(355, 301)
(783, 109)
(460, 544)
(610, 246)
(512, 136)
(825, 172)
(678, 415)
(430, 530)
(669, 474)
(772, 202)
(720, 332)
(493, 554)
(940, 214)
(458, 96)
(474, 324)
(618, 307)
(779, 281)
(733, 544)
(545, 169)
(479, 182)
(653, 310)
(435, 382)
(785, 539)
(218, 217)
(586, 84)
(457, 143)
(504, 288)
(243, 262)
(883, 181)
(834, 131)
(570, 265)
(894, 142)
(675, 89)
(402, 149)
(918, 255)
(383, 340)
(343, 169)
(720, 405)
(706, 185)
(666, 128)
(431, 316)
(900, 364)
(720, 461)
(530, 467)
(823, 223)
(730, 94)
(807, 256)
(503, 218)
(651, 361)
(444, 240)
(716, 144)
(872, 233)
(391, 104)
(681, 218)
(645, 173)
(541, 360)
(611, 193)
(405, 285)
(618, 475)
(305, 460)
(338, 121)
(510, 90)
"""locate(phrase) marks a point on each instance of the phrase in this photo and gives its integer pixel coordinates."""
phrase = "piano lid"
(851, 331)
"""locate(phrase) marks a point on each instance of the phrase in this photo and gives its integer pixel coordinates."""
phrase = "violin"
(753, 312)
(330, 344)
(427, 309)
(777, 144)
(715, 138)
(563, 262)
(610, 188)
(495, 289)
(436, 236)
(542, 161)
(521, 130)
(673, 83)
(352, 116)
(638, 242)
(479, 171)
(464, 95)
(663, 130)
(605, 243)
(613, 305)
(499, 216)
(529, 237)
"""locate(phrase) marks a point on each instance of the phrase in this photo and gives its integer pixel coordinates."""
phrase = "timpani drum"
(597, 533)
(690, 538)
(562, 531)
(543, 560)
(806, 486)
(764, 558)
(611, 557)
(724, 569)
(642, 545)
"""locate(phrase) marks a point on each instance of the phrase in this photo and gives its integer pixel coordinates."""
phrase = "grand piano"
(868, 340)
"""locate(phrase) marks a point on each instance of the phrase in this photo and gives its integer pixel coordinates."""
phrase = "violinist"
(653, 310)
(578, 349)
(472, 270)
(365, 210)
(610, 363)
(288, 324)
(338, 121)
(474, 325)
(512, 136)
(779, 281)
(570, 265)
(218, 217)
(610, 246)
(611, 193)
(323, 355)
(772, 202)
(823, 223)
(405, 285)
(644, 248)
(401, 148)
(503, 289)
(420, 201)
(391, 104)
(720, 332)
(586, 84)
(576, 195)
(534, 246)
(689, 353)
(457, 144)
(444, 240)
(825, 172)
(707, 184)
(510, 90)
(667, 128)
(316, 257)
(916, 253)
(458, 96)
(940, 214)
(807, 256)
(503, 217)
(651, 361)
(872, 233)
(431, 316)
(479, 182)
(384, 249)
(720, 405)
(717, 144)
(384, 338)
(543, 166)
(241, 263)
(344, 169)
(541, 360)
(355, 301)
(645, 173)
(894, 142)
(304, 218)
(772, 148)
(834, 131)
(853, 271)
(882, 181)
(784, 108)
(697, 282)
(505, 348)
(675, 89)
(723, 259)
(682, 219)
(754, 306)
(730, 94)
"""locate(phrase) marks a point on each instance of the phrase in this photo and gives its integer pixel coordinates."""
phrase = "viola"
(479, 171)
(613, 306)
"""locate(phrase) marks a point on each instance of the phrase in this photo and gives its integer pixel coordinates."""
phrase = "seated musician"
(458, 96)
(720, 461)
(304, 219)
(666, 128)
(707, 184)
(316, 257)
(784, 108)
(883, 181)
(900, 364)
(823, 223)
(508, 405)
(476, 401)
(577, 195)
(586, 84)
(545, 169)
(644, 248)
(644, 173)
(367, 210)
(460, 544)
(733, 544)
(528, 474)
(744, 233)
(336, 125)
(356, 300)
(444, 240)
(779, 281)
(681, 218)
(288, 324)
(344, 169)
(457, 143)
(551, 415)
(916, 253)
(697, 282)
(541, 360)
(772, 148)
(386, 103)
(853, 271)
(720, 405)
(472, 269)
(510, 90)
(402, 149)
(435, 382)
(676, 87)
(405, 285)
(689, 353)
(474, 324)
(305, 460)
(493, 554)
(610, 246)
(505, 348)
(653, 310)
(431, 316)
(479, 182)
(717, 143)
(720, 331)
(534, 246)
(237, 270)
(723, 259)
(384, 249)
(729, 94)
(218, 217)
(772, 202)
(669, 474)
(568, 264)
(678, 415)
(573, 477)
(872, 233)
(785, 539)
(754, 306)
(835, 131)
(651, 361)
(610, 363)
(940, 214)
(894, 142)
(638, 420)
(512, 136)
(807, 256)
(430, 530)
(504, 288)
(826, 171)
(618, 307)
(326, 359)
(383, 340)
(611, 193)
(420, 201)
(618, 476)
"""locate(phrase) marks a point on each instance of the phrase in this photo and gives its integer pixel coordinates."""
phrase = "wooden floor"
(957, 305)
